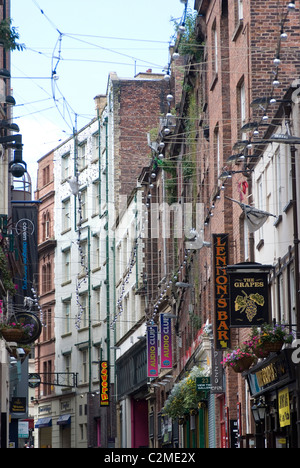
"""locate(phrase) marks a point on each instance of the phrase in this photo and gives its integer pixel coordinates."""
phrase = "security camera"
(17, 167)
(17, 170)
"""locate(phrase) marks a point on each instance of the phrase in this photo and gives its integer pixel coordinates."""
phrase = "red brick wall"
(139, 103)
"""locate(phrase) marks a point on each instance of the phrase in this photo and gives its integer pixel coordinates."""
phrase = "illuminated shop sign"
(165, 342)
(104, 383)
(152, 351)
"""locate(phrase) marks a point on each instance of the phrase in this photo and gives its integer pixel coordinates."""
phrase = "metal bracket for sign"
(59, 379)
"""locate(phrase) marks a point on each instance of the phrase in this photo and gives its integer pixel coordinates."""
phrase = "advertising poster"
(152, 351)
(25, 224)
(165, 342)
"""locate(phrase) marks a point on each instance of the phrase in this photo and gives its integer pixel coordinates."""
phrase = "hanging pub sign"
(249, 294)
(152, 351)
(165, 342)
(222, 322)
(104, 383)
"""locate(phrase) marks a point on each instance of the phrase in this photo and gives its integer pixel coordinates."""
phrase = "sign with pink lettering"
(165, 342)
(152, 351)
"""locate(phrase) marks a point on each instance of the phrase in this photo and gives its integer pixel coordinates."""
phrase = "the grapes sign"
(249, 295)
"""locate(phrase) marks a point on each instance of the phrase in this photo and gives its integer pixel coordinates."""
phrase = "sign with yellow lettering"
(222, 322)
(104, 383)
(284, 407)
(249, 294)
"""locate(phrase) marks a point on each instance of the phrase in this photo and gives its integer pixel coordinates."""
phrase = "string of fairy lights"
(158, 155)
(264, 104)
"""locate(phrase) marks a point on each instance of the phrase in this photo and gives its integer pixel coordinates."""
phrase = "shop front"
(273, 388)
(132, 391)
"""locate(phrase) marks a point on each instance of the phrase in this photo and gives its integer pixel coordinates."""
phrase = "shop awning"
(43, 422)
(64, 420)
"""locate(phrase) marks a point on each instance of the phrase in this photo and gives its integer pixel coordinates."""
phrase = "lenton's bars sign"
(222, 320)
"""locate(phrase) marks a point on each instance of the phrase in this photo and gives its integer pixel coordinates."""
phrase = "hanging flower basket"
(269, 339)
(15, 331)
(12, 334)
(243, 364)
(240, 359)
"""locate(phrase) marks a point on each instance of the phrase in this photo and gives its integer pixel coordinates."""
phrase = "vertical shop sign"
(284, 407)
(25, 222)
(152, 351)
(217, 384)
(165, 342)
(104, 383)
(222, 321)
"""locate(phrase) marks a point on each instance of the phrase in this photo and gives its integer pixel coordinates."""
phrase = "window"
(82, 156)
(217, 152)
(84, 366)
(66, 266)
(96, 253)
(84, 304)
(215, 49)
(281, 299)
(278, 187)
(47, 378)
(240, 10)
(98, 304)
(96, 198)
(83, 259)
(46, 226)
(46, 175)
(46, 278)
(67, 316)
(67, 367)
(125, 254)
(95, 146)
(47, 329)
(66, 215)
(65, 166)
(260, 201)
(83, 202)
(241, 108)
(293, 318)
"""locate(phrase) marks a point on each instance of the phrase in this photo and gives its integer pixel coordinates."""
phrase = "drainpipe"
(136, 236)
(296, 257)
(107, 247)
(89, 306)
(75, 168)
(99, 158)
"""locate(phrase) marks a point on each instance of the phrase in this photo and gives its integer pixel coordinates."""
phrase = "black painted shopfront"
(273, 387)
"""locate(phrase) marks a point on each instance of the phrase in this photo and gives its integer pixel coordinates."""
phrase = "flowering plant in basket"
(269, 338)
(243, 353)
(26, 329)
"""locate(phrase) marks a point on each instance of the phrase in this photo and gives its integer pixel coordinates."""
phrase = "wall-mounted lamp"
(259, 412)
